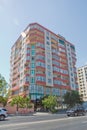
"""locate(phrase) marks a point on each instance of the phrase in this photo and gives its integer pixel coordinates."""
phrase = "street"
(47, 122)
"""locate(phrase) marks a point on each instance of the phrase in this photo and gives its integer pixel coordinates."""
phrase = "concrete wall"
(12, 109)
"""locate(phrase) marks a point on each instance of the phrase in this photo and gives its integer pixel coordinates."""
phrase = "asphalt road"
(47, 122)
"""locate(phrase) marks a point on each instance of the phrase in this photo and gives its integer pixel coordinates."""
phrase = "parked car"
(3, 114)
(76, 111)
(85, 109)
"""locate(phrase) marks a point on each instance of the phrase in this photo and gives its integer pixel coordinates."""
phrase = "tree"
(38, 103)
(21, 102)
(72, 98)
(3, 100)
(50, 103)
(3, 85)
(18, 101)
(27, 102)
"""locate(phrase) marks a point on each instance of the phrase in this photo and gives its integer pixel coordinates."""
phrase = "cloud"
(16, 21)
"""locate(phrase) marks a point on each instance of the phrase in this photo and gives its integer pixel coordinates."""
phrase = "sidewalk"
(38, 114)
(42, 113)
(32, 114)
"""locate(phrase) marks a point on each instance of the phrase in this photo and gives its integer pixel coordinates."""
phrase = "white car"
(3, 114)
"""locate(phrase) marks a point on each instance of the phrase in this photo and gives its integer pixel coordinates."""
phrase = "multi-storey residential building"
(82, 81)
(42, 63)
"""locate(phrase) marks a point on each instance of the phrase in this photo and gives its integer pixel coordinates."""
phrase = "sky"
(65, 17)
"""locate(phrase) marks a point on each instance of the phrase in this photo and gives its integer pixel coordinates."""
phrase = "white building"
(82, 81)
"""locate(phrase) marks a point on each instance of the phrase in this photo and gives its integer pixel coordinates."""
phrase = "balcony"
(41, 83)
(26, 84)
(15, 88)
(40, 68)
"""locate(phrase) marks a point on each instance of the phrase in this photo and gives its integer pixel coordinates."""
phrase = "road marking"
(37, 122)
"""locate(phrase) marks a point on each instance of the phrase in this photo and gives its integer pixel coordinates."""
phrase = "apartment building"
(82, 81)
(42, 63)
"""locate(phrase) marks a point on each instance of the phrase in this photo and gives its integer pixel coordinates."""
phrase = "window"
(55, 91)
(47, 90)
(49, 80)
(71, 74)
(28, 51)
(32, 58)
(27, 78)
(40, 89)
(40, 64)
(21, 89)
(47, 37)
(47, 33)
(70, 58)
(33, 52)
(71, 68)
(49, 73)
(49, 67)
(32, 80)
(32, 65)
(32, 46)
(61, 41)
(64, 91)
(72, 79)
(40, 78)
(72, 47)
(48, 47)
(48, 43)
(32, 72)
(48, 60)
(28, 58)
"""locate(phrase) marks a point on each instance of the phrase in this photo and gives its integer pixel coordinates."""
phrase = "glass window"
(64, 91)
(47, 90)
(48, 43)
(72, 79)
(47, 37)
(28, 51)
(28, 58)
(49, 73)
(32, 46)
(40, 89)
(33, 52)
(27, 78)
(48, 59)
(48, 47)
(32, 80)
(72, 47)
(32, 58)
(32, 72)
(32, 65)
(49, 80)
(49, 67)
(61, 42)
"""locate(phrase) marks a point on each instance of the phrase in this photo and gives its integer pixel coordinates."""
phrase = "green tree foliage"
(27, 102)
(16, 101)
(3, 100)
(72, 98)
(21, 102)
(50, 103)
(39, 103)
(3, 85)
